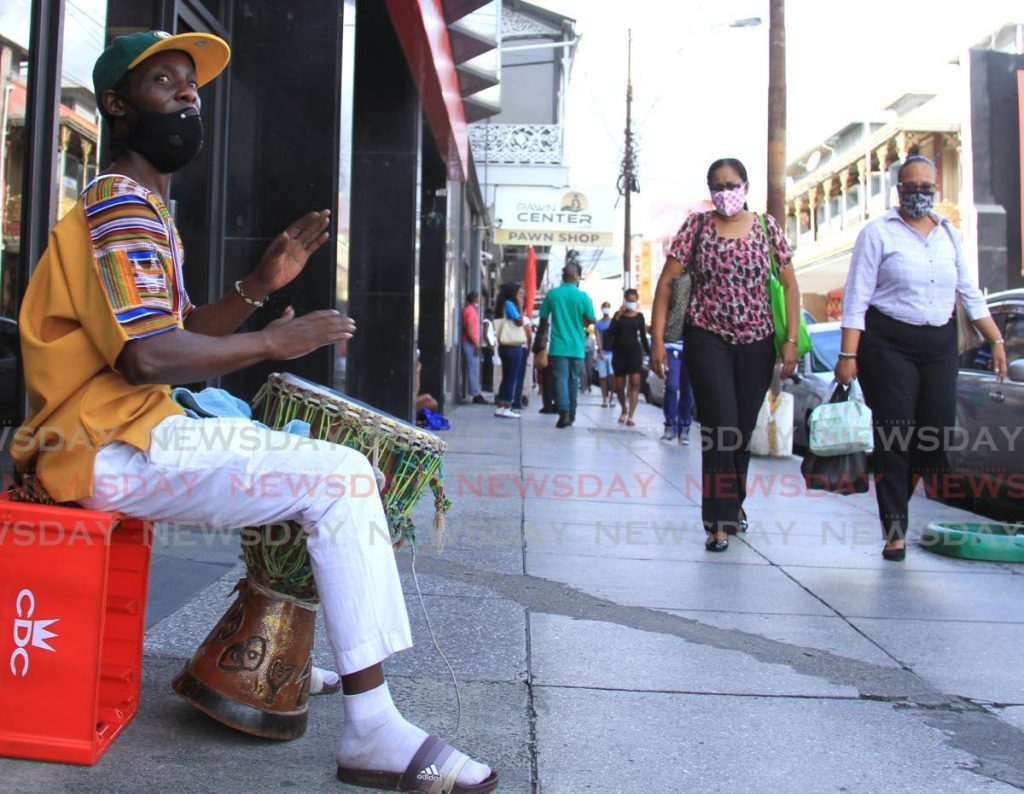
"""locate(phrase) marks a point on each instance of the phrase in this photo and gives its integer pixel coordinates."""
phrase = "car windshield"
(825, 350)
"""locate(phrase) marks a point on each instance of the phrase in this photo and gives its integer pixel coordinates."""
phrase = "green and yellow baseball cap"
(209, 53)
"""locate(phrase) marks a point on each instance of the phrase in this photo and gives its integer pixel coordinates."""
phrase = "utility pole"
(777, 110)
(627, 179)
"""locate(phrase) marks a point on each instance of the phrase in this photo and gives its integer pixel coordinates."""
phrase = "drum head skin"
(343, 400)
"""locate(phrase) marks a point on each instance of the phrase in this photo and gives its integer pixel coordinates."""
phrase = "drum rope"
(437, 647)
(276, 596)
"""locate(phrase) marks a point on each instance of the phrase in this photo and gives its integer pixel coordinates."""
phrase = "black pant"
(487, 370)
(547, 387)
(729, 384)
(908, 373)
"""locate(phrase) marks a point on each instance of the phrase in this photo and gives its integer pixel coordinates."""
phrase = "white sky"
(700, 87)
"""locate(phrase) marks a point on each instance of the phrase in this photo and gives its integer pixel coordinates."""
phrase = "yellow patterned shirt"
(110, 274)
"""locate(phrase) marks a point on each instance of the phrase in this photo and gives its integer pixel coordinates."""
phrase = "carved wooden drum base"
(252, 672)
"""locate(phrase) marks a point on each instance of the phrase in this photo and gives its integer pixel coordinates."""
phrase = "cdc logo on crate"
(29, 634)
(72, 608)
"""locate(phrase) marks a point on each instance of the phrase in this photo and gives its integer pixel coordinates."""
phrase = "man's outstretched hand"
(287, 255)
(291, 337)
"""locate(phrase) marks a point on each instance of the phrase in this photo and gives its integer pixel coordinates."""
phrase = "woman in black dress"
(628, 333)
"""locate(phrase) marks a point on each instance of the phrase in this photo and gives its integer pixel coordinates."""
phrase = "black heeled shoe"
(714, 544)
(894, 555)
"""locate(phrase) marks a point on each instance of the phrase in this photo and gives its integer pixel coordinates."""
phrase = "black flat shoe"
(713, 544)
(894, 555)
(736, 527)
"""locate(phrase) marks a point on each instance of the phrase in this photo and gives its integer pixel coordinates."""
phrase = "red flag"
(531, 280)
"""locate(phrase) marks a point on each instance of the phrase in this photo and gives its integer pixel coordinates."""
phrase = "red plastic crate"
(72, 611)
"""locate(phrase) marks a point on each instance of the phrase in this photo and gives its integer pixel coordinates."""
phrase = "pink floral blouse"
(730, 278)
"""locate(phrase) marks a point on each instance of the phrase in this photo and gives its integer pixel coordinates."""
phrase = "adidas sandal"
(433, 770)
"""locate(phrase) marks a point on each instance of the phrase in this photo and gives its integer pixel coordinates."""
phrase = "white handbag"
(773, 433)
(842, 424)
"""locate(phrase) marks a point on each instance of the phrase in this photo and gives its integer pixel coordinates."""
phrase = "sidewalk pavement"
(598, 647)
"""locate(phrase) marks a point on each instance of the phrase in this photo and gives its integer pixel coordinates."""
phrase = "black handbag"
(682, 288)
(838, 474)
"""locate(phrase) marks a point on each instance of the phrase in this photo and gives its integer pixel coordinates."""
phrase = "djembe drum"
(252, 672)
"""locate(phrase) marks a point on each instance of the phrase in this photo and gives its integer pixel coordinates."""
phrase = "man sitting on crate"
(106, 324)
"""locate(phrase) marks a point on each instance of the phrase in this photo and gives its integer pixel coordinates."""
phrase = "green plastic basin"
(969, 540)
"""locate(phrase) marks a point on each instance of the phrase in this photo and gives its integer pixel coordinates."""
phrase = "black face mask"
(170, 141)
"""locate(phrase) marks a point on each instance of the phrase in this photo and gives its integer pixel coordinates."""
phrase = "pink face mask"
(729, 202)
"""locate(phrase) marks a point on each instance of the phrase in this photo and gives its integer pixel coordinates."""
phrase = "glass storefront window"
(14, 35)
(79, 132)
(74, 160)
(14, 76)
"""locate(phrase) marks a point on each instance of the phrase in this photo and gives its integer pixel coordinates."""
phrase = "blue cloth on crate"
(212, 403)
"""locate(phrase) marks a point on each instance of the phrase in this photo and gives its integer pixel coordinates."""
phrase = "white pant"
(229, 473)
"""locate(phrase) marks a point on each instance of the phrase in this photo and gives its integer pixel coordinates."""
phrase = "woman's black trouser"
(908, 374)
(729, 385)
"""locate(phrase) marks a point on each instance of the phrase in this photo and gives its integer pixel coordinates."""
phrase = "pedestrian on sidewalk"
(566, 310)
(677, 403)
(589, 357)
(900, 338)
(729, 336)
(604, 357)
(112, 282)
(521, 399)
(511, 341)
(628, 334)
(545, 376)
(471, 346)
(488, 350)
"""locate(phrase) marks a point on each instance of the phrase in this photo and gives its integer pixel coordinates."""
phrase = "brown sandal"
(433, 770)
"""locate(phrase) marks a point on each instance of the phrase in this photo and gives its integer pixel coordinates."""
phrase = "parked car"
(811, 382)
(992, 471)
(987, 453)
(9, 409)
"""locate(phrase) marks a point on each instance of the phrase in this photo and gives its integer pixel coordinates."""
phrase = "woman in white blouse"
(899, 338)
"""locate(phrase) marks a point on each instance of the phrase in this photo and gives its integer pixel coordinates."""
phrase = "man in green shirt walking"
(568, 310)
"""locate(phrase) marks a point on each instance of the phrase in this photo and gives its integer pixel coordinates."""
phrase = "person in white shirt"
(900, 339)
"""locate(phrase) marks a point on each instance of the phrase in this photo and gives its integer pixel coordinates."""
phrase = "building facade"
(970, 128)
(519, 150)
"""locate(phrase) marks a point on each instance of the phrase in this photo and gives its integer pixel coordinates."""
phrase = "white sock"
(318, 677)
(376, 737)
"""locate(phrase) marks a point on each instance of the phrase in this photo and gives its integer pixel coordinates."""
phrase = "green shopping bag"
(777, 298)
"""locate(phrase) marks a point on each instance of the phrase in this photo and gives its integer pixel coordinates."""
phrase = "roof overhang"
(423, 33)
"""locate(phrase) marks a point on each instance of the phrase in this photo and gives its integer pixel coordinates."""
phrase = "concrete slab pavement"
(599, 648)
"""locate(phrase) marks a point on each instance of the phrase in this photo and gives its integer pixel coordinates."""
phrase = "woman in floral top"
(729, 336)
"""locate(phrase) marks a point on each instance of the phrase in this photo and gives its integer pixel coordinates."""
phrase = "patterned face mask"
(916, 205)
(729, 202)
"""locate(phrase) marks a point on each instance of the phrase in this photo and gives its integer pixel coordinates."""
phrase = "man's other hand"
(291, 337)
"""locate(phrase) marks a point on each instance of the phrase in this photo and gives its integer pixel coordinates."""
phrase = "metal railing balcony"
(517, 144)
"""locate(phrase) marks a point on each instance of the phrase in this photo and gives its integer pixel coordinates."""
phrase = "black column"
(433, 275)
(385, 163)
(283, 157)
(996, 157)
